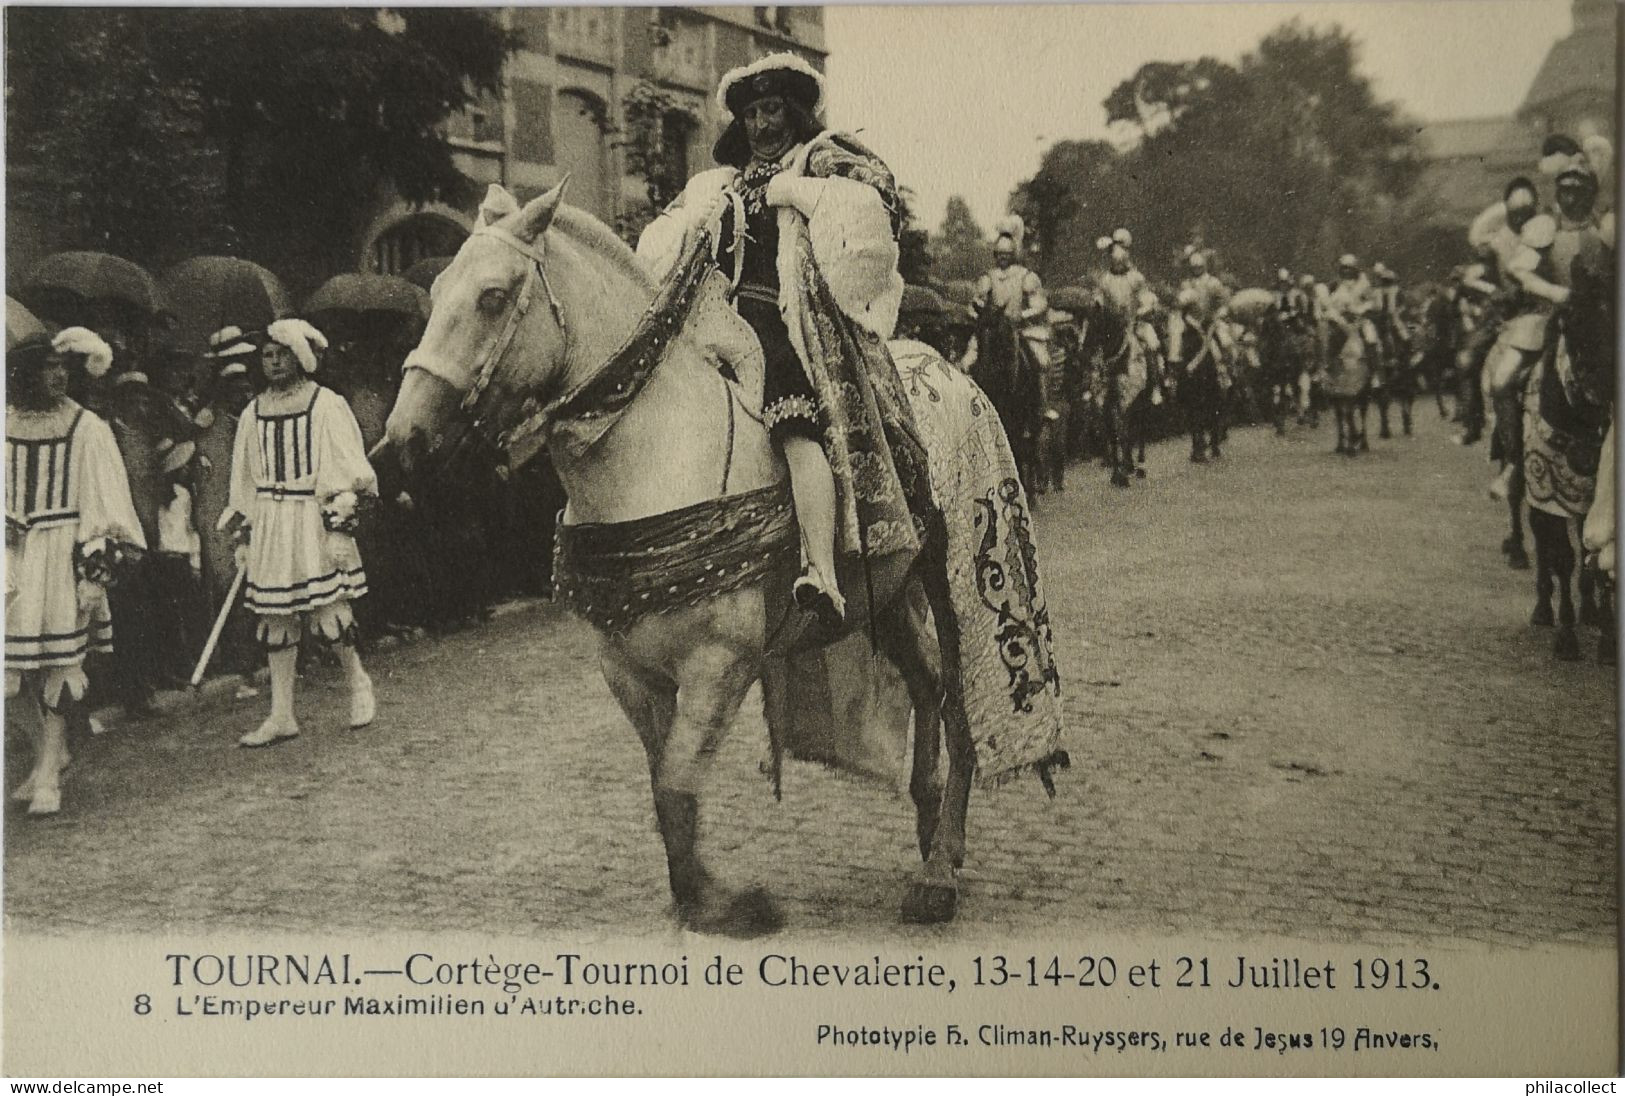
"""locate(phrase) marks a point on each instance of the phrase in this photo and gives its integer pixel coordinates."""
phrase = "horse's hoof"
(1519, 561)
(47, 800)
(1119, 480)
(930, 904)
(25, 790)
(1542, 617)
(744, 916)
(1607, 648)
(1139, 473)
(1198, 458)
(1590, 616)
(1567, 646)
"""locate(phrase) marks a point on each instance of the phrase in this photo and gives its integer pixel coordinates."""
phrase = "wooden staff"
(219, 626)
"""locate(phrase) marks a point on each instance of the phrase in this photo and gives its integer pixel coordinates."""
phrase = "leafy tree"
(959, 250)
(913, 243)
(1285, 158)
(291, 122)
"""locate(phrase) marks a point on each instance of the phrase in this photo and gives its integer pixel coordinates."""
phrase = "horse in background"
(1010, 378)
(1110, 342)
(1567, 403)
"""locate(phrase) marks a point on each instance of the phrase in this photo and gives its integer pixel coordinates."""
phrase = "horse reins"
(497, 350)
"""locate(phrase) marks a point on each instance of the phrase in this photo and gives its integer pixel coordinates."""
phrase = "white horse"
(524, 319)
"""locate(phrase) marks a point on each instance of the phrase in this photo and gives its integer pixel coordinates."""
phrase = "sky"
(964, 99)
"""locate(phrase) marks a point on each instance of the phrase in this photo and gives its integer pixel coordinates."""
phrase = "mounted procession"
(760, 458)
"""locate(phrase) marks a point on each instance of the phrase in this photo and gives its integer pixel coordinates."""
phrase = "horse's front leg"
(712, 680)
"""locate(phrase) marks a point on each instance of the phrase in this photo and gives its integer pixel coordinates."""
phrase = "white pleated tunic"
(294, 451)
(65, 486)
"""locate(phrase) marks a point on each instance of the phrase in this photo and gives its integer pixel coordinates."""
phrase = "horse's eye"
(492, 301)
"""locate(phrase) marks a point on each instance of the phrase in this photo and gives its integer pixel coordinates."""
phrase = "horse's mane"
(591, 233)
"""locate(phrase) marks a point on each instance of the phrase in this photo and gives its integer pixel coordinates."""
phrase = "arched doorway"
(413, 237)
(583, 150)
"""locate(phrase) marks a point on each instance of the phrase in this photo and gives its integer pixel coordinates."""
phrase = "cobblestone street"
(1303, 698)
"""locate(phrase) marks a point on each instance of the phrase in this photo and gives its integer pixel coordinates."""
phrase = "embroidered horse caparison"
(979, 671)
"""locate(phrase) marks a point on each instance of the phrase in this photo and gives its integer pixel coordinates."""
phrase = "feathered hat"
(300, 337)
(784, 74)
(98, 356)
(1568, 161)
(1123, 238)
(1010, 227)
(230, 352)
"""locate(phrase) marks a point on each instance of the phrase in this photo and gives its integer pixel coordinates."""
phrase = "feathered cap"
(1380, 269)
(1347, 261)
(1568, 161)
(92, 347)
(1010, 227)
(1283, 275)
(776, 74)
(1123, 238)
(1539, 232)
(300, 337)
(230, 351)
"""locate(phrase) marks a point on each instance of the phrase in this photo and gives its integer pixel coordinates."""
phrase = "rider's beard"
(770, 145)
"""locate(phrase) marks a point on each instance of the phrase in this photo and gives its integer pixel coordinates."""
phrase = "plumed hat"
(1123, 238)
(92, 347)
(230, 351)
(1347, 261)
(1539, 232)
(1382, 272)
(300, 337)
(1012, 228)
(1283, 275)
(783, 74)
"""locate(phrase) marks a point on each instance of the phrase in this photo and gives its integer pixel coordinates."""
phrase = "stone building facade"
(562, 108)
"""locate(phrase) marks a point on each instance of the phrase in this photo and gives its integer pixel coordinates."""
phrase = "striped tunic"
(65, 486)
(294, 451)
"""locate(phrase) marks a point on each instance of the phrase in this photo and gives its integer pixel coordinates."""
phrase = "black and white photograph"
(994, 539)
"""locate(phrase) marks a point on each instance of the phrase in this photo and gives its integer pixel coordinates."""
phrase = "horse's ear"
(535, 217)
(498, 204)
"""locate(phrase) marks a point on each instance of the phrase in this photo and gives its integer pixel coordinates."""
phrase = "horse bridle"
(496, 351)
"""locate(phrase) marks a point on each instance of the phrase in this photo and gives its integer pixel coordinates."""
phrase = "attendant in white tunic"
(68, 520)
(298, 472)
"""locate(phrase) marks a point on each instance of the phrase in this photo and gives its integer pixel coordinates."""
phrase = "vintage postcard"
(913, 540)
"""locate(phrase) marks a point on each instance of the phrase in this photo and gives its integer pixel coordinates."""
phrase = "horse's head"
(492, 307)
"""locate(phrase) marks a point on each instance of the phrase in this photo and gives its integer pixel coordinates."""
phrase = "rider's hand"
(241, 556)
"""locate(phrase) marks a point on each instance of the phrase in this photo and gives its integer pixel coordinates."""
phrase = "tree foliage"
(1285, 158)
(274, 127)
(958, 249)
(913, 243)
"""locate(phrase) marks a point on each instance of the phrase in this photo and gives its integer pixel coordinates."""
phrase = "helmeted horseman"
(1197, 352)
(1290, 347)
(1394, 345)
(1125, 356)
(1010, 299)
(1348, 309)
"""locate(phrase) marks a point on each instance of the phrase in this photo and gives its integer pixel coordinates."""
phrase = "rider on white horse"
(778, 159)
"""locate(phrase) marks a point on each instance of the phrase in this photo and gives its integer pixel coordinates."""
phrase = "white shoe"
(47, 800)
(245, 691)
(269, 732)
(362, 704)
(25, 790)
(96, 726)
